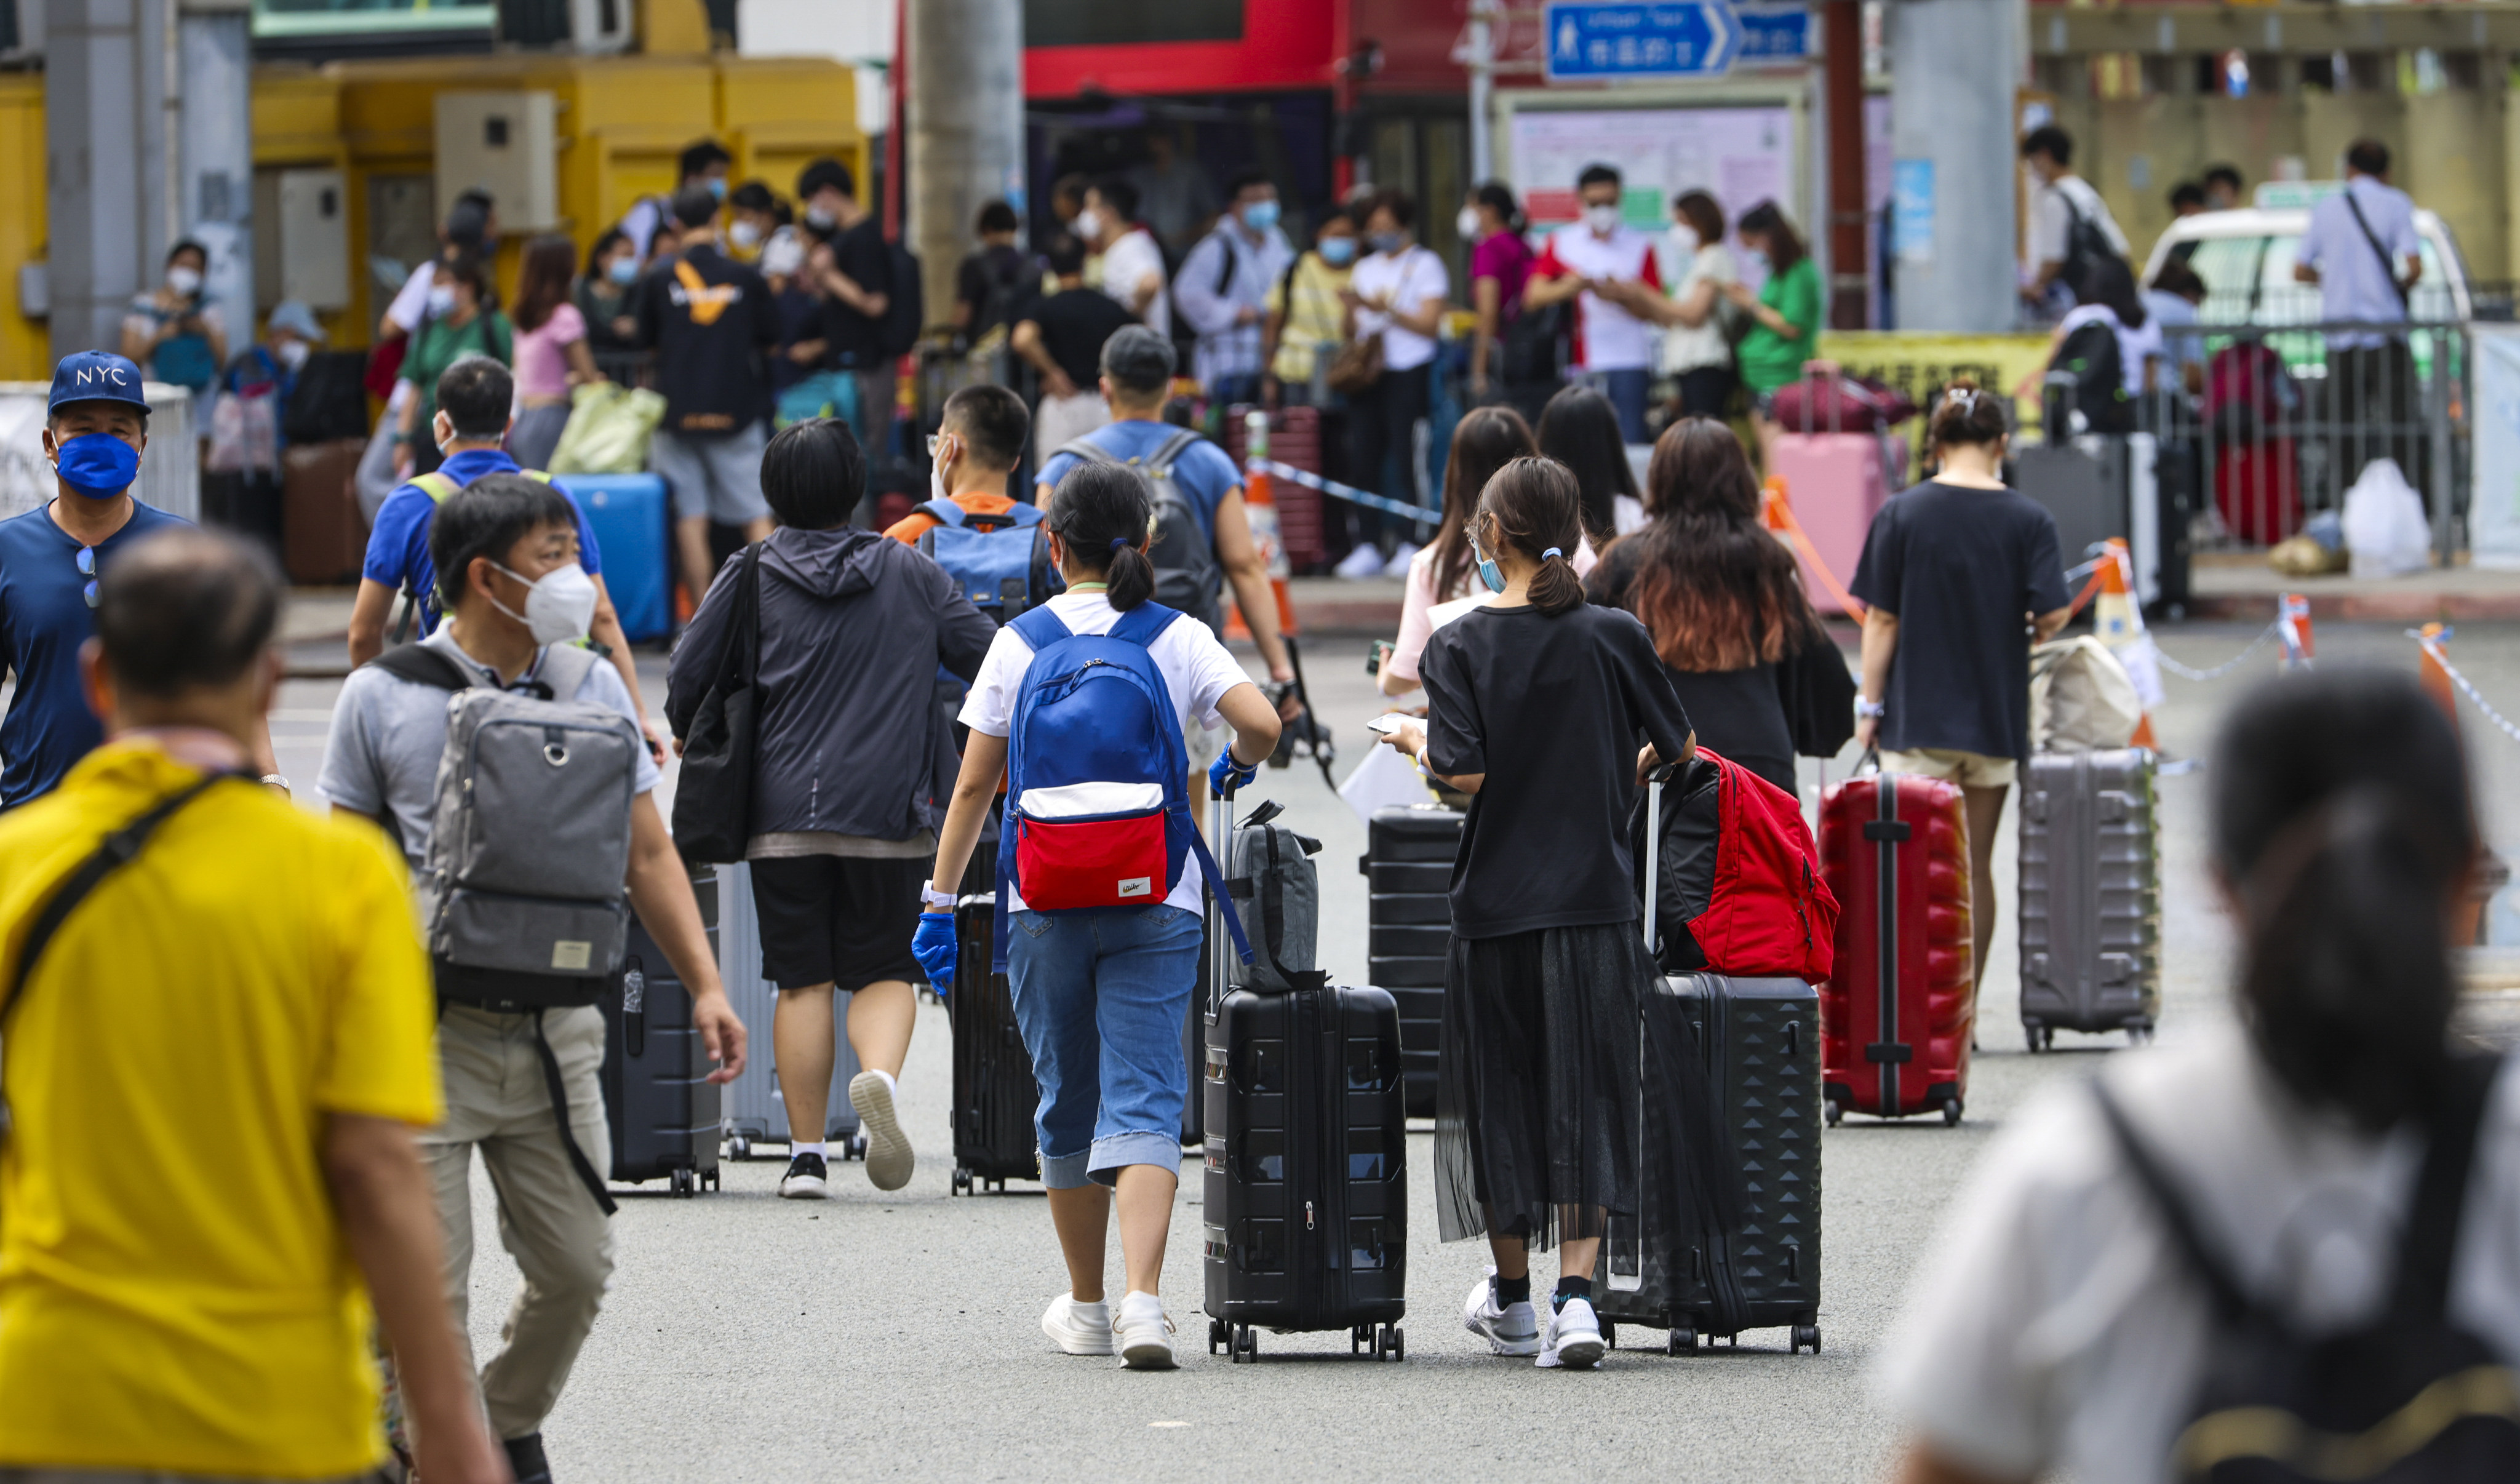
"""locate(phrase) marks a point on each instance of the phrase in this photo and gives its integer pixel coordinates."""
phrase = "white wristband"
(1870, 708)
(930, 896)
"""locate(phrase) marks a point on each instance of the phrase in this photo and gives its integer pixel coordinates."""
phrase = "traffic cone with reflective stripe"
(1260, 510)
(2292, 625)
(2117, 621)
(2433, 675)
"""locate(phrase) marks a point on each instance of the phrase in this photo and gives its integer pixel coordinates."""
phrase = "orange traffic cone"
(2292, 625)
(2117, 621)
(2434, 675)
(1260, 510)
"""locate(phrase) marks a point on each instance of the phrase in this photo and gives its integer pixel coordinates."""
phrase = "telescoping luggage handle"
(1888, 829)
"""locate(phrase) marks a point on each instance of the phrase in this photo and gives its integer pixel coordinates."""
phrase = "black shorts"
(837, 920)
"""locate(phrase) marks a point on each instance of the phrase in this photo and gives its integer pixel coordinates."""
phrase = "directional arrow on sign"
(1592, 39)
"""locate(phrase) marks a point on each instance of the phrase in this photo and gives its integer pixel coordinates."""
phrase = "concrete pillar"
(1956, 63)
(105, 164)
(216, 151)
(965, 126)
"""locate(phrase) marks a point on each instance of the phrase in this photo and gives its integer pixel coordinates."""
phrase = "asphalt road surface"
(895, 1336)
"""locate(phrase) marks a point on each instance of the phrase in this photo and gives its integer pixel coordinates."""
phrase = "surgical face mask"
(98, 465)
(184, 281)
(1260, 215)
(820, 220)
(558, 609)
(784, 254)
(1488, 574)
(1467, 225)
(1338, 251)
(623, 270)
(1385, 241)
(442, 300)
(294, 354)
(1684, 237)
(717, 187)
(942, 454)
(1756, 258)
(745, 235)
(1603, 219)
(1089, 224)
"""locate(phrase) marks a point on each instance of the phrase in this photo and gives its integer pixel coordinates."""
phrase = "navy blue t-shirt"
(44, 618)
(398, 545)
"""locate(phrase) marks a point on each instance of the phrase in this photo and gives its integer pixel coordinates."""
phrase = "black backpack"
(2410, 1398)
(905, 313)
(2087, 246)
(2090, 355)
(1536, 345)
(331, 398)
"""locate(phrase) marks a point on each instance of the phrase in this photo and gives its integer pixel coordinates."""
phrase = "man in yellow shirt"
(245, 987)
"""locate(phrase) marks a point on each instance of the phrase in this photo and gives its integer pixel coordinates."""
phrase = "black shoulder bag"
(2388, 269)
(2411, 1396)
(112, 853)
(713, 799)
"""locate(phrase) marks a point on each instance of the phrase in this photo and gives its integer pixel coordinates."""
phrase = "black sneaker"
(525, 1458)
(805, 1180)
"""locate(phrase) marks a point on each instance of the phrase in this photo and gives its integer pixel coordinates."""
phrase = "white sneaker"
(1078, 1329)
(889, 1159)
(1359, 564)
(1400, 558)
(1574, 1338)
(1144, 1332)
(1510, 1330)
(805, 1180)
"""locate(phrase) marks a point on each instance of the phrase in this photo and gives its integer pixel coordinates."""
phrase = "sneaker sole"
(1575, 1355)
(804, 1189)
(1074, 1345)
(1156, 1355)
(889, 1159)
(1519, 1349)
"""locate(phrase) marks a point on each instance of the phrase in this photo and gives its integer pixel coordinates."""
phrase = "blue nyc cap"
(96, 375)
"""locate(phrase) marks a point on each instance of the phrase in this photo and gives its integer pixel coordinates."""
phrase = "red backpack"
(1741, 892)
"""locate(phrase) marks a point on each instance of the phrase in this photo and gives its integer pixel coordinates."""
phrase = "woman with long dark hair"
(1485, 440)
(1722, 597)
(1536, 701)
(2061, 1326)
(1580, 428)
(551, 354)
(1101, 994)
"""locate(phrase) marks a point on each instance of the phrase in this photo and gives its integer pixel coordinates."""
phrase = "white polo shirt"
(1607, 337)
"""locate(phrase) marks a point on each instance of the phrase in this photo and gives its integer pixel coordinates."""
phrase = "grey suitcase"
(2091, 895)
(755, 1112)
(1408, 867)
(665, 1113)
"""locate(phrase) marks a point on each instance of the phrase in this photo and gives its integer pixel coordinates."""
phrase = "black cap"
(1137, 358)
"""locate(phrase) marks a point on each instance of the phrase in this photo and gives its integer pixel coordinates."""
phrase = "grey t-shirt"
(388, 734)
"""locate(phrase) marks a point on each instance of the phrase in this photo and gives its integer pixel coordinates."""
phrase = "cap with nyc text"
(96, 375)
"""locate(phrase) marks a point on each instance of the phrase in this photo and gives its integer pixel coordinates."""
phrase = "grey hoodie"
(853, 738)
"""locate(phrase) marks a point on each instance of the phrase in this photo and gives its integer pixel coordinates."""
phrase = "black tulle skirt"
(1553, 1094)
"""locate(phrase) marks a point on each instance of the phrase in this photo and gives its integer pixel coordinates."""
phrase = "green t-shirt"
(1769, 360)
(438, 344)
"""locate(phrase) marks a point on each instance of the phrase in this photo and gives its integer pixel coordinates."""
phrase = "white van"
(2245, 256)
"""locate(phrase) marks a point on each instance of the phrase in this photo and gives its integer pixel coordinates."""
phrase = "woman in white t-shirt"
(2060, 1328)
(1396, 294)
(1100, 995)
(1695, 348)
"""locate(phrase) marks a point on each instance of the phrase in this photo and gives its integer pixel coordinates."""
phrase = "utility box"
(601, 26)
(314, 233)
(505, 144)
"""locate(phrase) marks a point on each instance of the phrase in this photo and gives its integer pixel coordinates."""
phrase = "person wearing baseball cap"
(95, 431)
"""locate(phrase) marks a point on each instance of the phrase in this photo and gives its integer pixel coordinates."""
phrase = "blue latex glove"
(1225, 771)
(936, 948)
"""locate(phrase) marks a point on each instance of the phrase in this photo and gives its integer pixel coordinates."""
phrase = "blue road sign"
(1627, 38)
(1775, 34)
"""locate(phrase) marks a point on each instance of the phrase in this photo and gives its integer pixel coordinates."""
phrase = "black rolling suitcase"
(995, 1095)
(1761, 1042)
(658, 1100)
(1408, 867)
(1307, 1182)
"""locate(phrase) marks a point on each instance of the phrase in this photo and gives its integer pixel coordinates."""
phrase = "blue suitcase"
(627, 512)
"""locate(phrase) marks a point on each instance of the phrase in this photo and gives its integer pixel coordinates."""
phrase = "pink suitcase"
(1834, 483)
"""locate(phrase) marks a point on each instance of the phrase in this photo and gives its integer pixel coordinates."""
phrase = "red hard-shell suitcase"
(1295, 440)
(2257, 489)
(1834, 482)
(1895, 1015)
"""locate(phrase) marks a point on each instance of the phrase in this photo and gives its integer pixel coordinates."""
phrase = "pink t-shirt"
(1416, 628)
(542, 355)
(1506, 257)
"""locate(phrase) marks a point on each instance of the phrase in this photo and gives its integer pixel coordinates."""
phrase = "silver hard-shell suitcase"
(755, 1113)
(2091, 895)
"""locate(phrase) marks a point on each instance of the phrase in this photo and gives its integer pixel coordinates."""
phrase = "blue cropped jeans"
(1101, 997)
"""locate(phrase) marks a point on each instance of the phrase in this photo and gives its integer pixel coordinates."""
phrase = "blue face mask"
(622, 270)
(717, 188)
(1338, 251)
(1260, 215)
(1488, 573)
(97, 464)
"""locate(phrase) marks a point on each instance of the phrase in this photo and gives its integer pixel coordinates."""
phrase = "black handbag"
(713, 799)
(1818, 695)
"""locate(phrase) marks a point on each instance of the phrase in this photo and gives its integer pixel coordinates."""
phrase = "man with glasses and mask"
(95, 431)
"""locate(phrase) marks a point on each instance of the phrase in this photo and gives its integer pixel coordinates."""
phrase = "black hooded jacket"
(854, 626)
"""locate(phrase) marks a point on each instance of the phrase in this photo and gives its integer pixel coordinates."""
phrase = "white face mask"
(442, 300)
(1684, 237)
(294, 354)
(745, 235)
(1089, 224)
(1602, 219)
(184, 281)
(558, 609)
(1467, 225)
(937, 487)
(784, 254)
(820, 220)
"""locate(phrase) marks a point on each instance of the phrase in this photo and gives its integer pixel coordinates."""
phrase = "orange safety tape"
(1783, 508)
(2090, 589)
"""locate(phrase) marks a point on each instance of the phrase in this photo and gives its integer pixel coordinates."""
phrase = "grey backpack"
(1188, 576)
(523, 884)
(1269, 875)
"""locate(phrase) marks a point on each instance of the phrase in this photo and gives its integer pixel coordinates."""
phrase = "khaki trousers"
(498, 1102)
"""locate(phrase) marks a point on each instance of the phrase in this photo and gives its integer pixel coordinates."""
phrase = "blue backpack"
(1098, 798)
(1003, 579)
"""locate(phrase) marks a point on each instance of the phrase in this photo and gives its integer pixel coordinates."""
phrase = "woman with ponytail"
(2060, 1327)
(1535, 703)
(1101, 994)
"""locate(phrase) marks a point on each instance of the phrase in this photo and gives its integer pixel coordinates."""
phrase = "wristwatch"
(1870, 709)
(930, 896)
(275, 781)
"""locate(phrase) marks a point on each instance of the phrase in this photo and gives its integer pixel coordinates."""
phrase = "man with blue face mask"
(1222, 288)
(94, 433)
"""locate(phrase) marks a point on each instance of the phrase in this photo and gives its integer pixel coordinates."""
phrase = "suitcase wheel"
(1609, 1334)
(1358, 1338)
(961, 1180)
(855, 1149)
(685, 1185)
(711, 1178)
(1242, 1347)
(1219, 1334)
(738, 1147)
(1683, 1341)
(1830, 1110)
(1394, 1346)
(2042, 1037)
(1805, 1335)
(2140, 1034)
(1950, 1112)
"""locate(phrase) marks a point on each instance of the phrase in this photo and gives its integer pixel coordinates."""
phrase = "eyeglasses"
(936, 441)
(88, 569)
